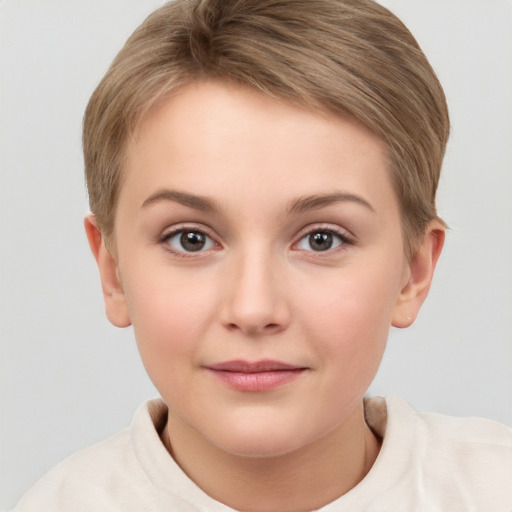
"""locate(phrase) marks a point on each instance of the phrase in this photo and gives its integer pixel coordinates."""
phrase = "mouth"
(264, 375)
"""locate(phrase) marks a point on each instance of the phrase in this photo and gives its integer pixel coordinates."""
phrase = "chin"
(264, 447)
(259, 439)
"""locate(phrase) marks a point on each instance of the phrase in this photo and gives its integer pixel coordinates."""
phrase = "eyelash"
(343, 237)
(167, 236)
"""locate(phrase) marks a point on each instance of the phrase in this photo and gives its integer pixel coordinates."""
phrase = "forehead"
(216, 138)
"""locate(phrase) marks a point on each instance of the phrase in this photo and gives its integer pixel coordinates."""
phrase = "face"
(260, 260)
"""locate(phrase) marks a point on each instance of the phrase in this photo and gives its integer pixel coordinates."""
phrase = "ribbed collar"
(391, 419)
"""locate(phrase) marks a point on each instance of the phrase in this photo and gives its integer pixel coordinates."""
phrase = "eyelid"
(187, 226)
(174, 230)
(346, 236)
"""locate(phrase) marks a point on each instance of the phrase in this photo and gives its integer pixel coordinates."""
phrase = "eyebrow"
(318, 201)
(190, 200)
(300, 205)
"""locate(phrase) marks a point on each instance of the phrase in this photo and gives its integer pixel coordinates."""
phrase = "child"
(262, 177)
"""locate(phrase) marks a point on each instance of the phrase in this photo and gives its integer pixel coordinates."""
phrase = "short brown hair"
(342, 56)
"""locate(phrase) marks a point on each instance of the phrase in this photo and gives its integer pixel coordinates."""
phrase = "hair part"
(346, 57)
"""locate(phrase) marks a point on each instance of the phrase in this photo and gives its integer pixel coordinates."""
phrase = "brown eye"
(190, 241)
(320, 241)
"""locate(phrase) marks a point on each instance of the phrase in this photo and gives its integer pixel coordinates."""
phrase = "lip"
(257, 376)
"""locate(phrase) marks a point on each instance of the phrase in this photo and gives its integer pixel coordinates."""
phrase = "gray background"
(68, 378)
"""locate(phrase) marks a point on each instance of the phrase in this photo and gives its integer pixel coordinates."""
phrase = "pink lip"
(262, 375)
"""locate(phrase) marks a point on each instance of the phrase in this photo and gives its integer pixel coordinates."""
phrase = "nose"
(255, 299)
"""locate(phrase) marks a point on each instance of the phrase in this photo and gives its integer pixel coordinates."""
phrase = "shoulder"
(90, 477)
(466, 460)
(78, 474)
(461, 439)
(392, 413)
(129, 472)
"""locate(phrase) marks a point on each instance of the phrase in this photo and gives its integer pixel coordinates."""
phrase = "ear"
(113, 294)
(418, 276)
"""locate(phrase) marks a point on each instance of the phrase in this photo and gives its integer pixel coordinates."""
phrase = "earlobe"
(115, 301)
(419, 276)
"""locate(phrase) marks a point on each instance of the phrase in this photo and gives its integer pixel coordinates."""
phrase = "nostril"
(255, 329)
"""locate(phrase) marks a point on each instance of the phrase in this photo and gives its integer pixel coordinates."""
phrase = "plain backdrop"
(69, 379)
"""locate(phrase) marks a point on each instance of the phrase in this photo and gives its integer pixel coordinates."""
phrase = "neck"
(305, 479)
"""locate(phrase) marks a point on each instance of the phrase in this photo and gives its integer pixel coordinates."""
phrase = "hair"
(346, 57)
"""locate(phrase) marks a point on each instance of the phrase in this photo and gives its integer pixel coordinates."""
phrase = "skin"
(265, 174)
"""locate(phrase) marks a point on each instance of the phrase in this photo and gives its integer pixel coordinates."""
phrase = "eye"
(189, 240)
(321, 240)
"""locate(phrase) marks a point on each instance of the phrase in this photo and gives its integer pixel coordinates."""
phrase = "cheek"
(350, 315)
(169, 315)
(346, 320)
